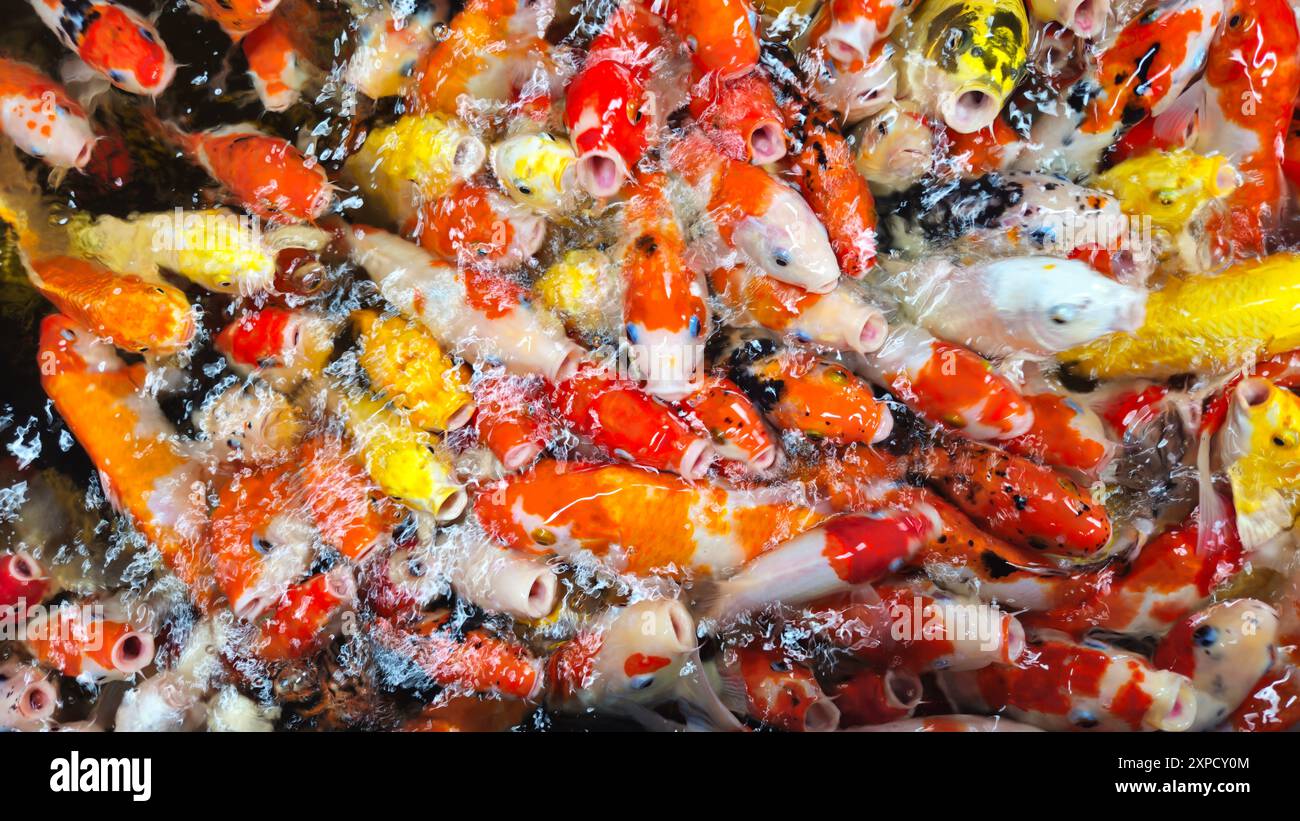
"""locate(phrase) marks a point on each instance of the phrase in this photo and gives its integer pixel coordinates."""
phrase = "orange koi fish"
(778, 691)
(637, 520)
(478, 663)
(665, 317)
(76, 642)
(620, 418)
(237, 18)
(1064, 434)
(349, 511)
(42, 119)
(768, 223)
(112, 40)
(274, 66)
(609, 112)
(301, 621)
(799, 391)
(823, 163)
(268, 175)
(138, 316)
(474, 224)
(947, 384)
(736, 427)
(722, 36)
(130, 442)
(513, 418)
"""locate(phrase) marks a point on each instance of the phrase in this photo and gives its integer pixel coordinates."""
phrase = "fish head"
(1066, 303)
(1170, 187)
(128, 50)
(1258, 38)
(789, 243)
(536, 170)
(608, 113)
(523, 17)
(66, 347)
(980, 50)
(782, 692)
(1224, 648)
(1148, 64)
(896, 147)
(866, 91)
(1259, 447)
(249, 422)
(644, 648)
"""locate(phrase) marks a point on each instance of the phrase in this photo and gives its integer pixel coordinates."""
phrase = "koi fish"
(1223, 650)
(538, 171)
(78, 642)
(28, 698)
(42, 119)
(964, 58)
(348, 509)
(895, 147)
(300, 623)
(1035, 306)
(1260, 449)
(838, 319)
(638, 521)
(610, 112)
(741, 117)
(405, 364)
(274, 65)
(435, 294)
(473, 225)
(776, 690)
(863, 89)
(22, 580)
(1065, 434)
(947, 384)
(847, 29)
(841, 554)
(582, 290)
(503, 581)
(513, 418)
(1203, 324)
(1063, 685)
(237, 18)
(138, 316)
(665, 317)
(478, 663)
(734, 425)
(130, 442)
(721, 37)
(870, 697)
(768, 223)
(282, 347)
(112, 40)
(389, 49)
(1085, 18)
(798, 391)
(249, 422)
(618, 417)
(268, 175)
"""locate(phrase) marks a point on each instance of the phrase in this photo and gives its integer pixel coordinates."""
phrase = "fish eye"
(1166, 197)
(1286, 439)
(523, 189)
(642, 681)
(1234, 21)
(634, 112)
(67, 334)
(1150, 16)
(631, 333)
(1063, 314)
(1205, 636)
(781, 257)
(146, 33)
(261, 545)
(115, 75)
(694, 326)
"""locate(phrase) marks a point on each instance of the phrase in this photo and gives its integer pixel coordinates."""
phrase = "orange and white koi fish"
(1224, 650)
(274, 66)
(467, 320)
(302, 618)
(799, 391)
(735, 426)
(28, 698)
(1063, 685)
(494, 54)
(262, 538)
(634, 652)
(281, 346)
(1252, 78)
(620, 418)
(839, 319)
(130, 442)
(1065, 434)
(863, 89)
(113, 40)
(848, 29)
(237, 18)
(741, 117)
(610, 112)
(138, 316)
(42, 119)
(636, 520)
(23, 582)
(1140, 73)
(948, 384)
(665, 318)
(776, 690)
(768, 223)
(268, 175)
(823, 162)
(842, 554)
(79, 642)
(513, 418)
(478, 663)
(504, 581)
(348, 509)
(473, 225)
(721, 36)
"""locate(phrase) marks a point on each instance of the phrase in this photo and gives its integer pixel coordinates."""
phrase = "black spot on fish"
(646, 244)
(997, 567)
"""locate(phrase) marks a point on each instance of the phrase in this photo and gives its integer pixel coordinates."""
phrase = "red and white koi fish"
(464, 319)
(113, 40)
(776, 690)
(478, 663)
(741, 117)
(619, 417)
(304, 614)
(1062, 685)
(78, 642)
(665, 317)
(513, 418)
(23, 581)
(875, 697)
(768, 223)
(474, 225)
(638, 521)
(281, 346)
(28, 698)
(42, 119)
(843, 553)
(610, 112)
(848, 29)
